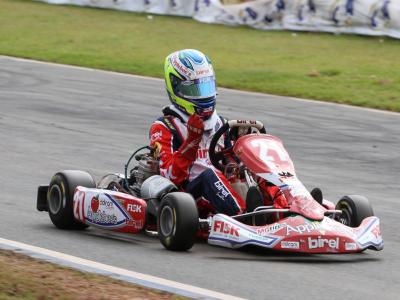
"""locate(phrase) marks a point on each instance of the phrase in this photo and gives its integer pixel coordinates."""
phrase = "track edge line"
(85, 265)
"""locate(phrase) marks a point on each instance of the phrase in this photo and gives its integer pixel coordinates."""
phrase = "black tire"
(354, 209)
(177, 221)
(60, 197)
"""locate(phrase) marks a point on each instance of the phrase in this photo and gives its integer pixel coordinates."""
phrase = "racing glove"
(195, 129)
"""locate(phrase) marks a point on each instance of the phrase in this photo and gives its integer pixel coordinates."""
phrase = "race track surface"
(54, 117)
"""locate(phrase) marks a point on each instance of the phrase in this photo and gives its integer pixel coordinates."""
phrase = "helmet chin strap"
(209, 124)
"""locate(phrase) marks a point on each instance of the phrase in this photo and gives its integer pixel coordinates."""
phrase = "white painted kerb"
(117, 273)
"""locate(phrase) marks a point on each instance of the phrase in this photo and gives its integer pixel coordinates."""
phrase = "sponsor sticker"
(102, 218)
(134, 208)
(226, 228)
(156, 135)
(322, 243)
(222, 192)
(303, 228)
(106, 203)
(270, 229)
(202, 72)
(350, 246)
(134, 224)
(290, 245)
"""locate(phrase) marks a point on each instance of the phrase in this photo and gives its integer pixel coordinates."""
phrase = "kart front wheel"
(355, 209)
(60, 197)
(177, 221)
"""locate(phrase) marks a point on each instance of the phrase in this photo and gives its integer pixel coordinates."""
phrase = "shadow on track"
(96, 233)
(248, 253)
(253, 253)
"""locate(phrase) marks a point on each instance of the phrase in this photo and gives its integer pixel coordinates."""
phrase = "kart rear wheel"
(355, 209)
(177, 221)
(60, 197)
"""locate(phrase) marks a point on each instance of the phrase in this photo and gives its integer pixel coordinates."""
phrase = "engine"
(147, 166)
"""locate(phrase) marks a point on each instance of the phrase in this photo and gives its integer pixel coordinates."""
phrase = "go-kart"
(257, 162)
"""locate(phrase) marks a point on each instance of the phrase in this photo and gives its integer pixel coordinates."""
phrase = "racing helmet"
(190, 82)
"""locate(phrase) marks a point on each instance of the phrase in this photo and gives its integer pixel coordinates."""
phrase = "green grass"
(348, 69)
(25, 278)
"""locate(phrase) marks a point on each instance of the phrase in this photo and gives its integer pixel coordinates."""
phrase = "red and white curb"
(114, 272)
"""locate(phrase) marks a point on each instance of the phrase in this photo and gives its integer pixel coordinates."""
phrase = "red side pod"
(109, 210)
(136, 209)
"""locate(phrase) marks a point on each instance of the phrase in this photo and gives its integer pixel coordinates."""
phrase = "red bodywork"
(305, 227)
(265, 156)
(109, 209)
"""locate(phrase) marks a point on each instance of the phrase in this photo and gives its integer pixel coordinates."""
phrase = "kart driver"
(182, 135)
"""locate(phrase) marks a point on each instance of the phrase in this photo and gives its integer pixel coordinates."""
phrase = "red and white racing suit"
(197, 176)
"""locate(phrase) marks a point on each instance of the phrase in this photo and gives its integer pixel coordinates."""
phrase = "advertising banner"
(366, 17)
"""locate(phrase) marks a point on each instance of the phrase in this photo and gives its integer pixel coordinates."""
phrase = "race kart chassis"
(297, 234)
(145, 201)
(125, 213)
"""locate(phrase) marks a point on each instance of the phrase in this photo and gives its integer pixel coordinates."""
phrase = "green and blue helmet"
(190, 82)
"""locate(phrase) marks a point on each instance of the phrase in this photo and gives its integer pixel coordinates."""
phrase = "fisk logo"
(220, 226)
(321, 243)
(134, 208)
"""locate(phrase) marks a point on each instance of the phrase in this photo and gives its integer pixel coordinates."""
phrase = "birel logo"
(223, 193)
(220, 226)
(321, 243)
(134, 208)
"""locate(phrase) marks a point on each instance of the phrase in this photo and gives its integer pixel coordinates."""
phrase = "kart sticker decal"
(269, 244)
(367, 228)
(122, 209)
(238, 224)
(350, 246)
(290, 245)
(227, 230)
(104, 211)
(370, 237)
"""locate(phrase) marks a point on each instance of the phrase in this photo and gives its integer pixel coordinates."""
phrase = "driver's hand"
(195, 128)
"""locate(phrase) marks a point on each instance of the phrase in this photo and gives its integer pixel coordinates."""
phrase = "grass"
(22, 277)
(350, 69)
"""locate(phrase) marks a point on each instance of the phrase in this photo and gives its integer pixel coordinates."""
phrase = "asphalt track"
(55, 117)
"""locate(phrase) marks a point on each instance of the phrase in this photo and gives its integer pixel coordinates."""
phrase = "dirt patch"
(22, 277)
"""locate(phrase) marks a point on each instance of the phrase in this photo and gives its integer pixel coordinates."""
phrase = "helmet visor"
(197, 89)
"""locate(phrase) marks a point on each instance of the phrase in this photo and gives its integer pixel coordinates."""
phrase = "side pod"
(41, 203)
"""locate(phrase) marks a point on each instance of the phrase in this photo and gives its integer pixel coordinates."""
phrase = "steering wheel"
(216, 157)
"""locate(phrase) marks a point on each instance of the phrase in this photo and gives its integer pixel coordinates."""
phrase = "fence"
(366, 17)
